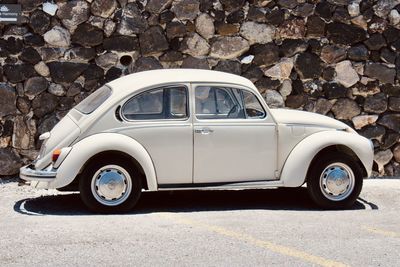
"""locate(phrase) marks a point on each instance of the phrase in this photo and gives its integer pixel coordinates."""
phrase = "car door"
(159, 120)
(235, 139)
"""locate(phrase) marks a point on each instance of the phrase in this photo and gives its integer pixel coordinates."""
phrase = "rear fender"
(90, 146)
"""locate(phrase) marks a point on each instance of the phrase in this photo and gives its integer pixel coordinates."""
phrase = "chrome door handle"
(203, 131)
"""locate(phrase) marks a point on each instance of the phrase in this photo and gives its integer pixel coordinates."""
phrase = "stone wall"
(339, 58)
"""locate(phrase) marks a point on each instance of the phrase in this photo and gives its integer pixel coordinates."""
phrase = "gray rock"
(322, 106)
(345, 109)
(290, 47)
(146, 63)
(56, 89)
(358, 53)
(195, 63)
(383, 7)
(292, 29)
(341, 33)
(175, 29)
(107, 60)
(274, 99)
(363, 120)
(257, 33)
(10, 162)
(332, 54)
(156, 6)
(229, 66)
(265, 55)
(396, 153)
(228, 47)
(345, 74)
(381, 72)
(58, 37)
(281, 70)
(391, 121)
(43, 104)
(308, 66)
(7, 100)
(153, 41)
(42, 69)
(132, 21)
(376, 103)
(373, 132)
(394, 104)
(39, 22)
(73, 13)
(24, 132)
(195, 45)
(382, 158)
(205, 26)
(121, 43)
(87, 35)
(66, 72)
(186, 9)
(34, 86)
(18, 73)
(103, 8)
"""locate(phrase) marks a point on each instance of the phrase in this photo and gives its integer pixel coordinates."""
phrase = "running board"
(222, 186)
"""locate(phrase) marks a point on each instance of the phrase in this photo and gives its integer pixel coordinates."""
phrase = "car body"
(184, 129)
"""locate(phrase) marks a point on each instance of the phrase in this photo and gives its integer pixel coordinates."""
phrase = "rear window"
(93, 101)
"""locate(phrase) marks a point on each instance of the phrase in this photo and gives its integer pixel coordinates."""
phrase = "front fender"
(297, 163)
(97, 143)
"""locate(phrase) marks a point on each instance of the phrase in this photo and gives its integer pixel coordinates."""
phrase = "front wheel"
(110, 186)
(335, 181)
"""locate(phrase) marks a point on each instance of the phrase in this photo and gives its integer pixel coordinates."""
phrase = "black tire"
(90, 200)
(315, 190)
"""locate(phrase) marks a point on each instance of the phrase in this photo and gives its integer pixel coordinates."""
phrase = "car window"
(253, 107)
(160, 103)
(212, 102)
(93, 101)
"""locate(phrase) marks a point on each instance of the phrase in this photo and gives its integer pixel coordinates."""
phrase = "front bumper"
(28, 173)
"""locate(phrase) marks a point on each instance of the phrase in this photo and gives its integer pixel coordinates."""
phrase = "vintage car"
(195, 129)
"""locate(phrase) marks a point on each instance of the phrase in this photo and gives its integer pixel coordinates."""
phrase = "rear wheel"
(335, 181)
(111, 185)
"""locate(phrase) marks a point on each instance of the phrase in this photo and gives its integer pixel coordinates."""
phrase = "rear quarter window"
(93, 101)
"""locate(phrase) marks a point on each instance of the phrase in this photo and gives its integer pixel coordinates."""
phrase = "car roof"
(136, 81)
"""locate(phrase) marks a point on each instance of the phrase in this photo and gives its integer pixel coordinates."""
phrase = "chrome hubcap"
(337, 181)
(111, 185)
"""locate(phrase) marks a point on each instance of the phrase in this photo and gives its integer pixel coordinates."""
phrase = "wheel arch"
(95, 146)
(305, 153)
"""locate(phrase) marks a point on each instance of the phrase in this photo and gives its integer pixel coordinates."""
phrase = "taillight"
(56, 154)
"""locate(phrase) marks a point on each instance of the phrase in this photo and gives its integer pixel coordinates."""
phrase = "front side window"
(93, 101)
(214, 102)
(161, 103)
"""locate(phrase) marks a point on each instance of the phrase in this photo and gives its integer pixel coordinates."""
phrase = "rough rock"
(195, 45)
(156, 6)
(121, 43)
(281, 70)
(308, 65)
(7, 99)
(292, 29)
(285, 89)
(153, 41)
(185, 9)
(334, 90)
(107, 60)
(73, 13)
(103, 8)
(34, 86)
(364, 120)
(39, 22)
(322, 106)
(382, 158)
(18, 73)
(373, 132)
(228, 47)
(274, 99)
(345, 109)
(66, 72)
(205, 26)
(394, 104)
(257, 33)
(10, 162)
(42, 69)
(396, 153)
(58, 37)
(132, 21)
(290, 47)
(265, 55)
(376, 103)
(30, 55)
(345, 34)
(345, 74)
(43, 104)
(147, 63)
(87, 35)
(383, 7)
(226, 29)
(381, 72)
(315, 26)
(391, 121)
(195, 63)
(24, 132)
(375, 42)
(333, 54)
(56, 89)
(229, 66)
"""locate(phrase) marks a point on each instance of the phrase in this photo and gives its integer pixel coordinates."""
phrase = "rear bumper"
(28, 173)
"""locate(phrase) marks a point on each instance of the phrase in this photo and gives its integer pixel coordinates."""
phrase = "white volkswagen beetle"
(195, 129)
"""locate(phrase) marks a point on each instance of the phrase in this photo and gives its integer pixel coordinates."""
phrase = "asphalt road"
(197, 228)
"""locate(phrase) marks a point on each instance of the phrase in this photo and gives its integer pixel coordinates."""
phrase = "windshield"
(93, 101)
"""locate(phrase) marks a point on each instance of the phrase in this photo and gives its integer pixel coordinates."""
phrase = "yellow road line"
(284, 250)
(380, 231)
